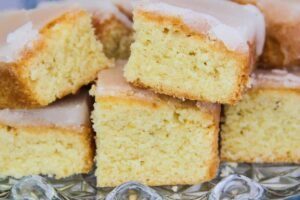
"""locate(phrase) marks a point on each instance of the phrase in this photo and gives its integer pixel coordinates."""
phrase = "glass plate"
(234, 181)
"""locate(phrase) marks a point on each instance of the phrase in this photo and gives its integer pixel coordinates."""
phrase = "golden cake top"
(276, 78)
(69, 112)
(235, 25)
(111, 82)
(19, 28)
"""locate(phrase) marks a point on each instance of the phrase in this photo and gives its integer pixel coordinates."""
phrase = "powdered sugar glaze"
(19, 28)
(111, 82)
(235, 25)
(276, 78)
(70, 112)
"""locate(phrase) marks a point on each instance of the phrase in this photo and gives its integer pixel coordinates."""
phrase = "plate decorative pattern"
(234, 181)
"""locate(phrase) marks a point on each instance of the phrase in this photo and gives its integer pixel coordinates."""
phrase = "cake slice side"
(155, 143)
(50, 151)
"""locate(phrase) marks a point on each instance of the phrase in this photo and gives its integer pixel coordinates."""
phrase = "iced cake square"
(198, 50)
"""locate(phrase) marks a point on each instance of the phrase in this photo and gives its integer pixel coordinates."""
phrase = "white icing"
(230, 36)
(235, 25)
(70, 112)
(124, 4)
(20, 28)
(111, 82)
(276, 78)
(18, 40)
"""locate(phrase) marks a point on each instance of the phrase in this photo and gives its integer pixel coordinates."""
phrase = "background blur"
(18, 4)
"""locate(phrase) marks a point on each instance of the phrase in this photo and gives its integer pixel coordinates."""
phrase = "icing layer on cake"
(70, 112)
(111, 82)
(19, 28)
(235, 25)
(276, 78)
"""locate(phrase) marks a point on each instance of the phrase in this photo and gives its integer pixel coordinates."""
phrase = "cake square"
(197, 50)
(47, 53)
(56, 140)
(265, 126)
(149, 138)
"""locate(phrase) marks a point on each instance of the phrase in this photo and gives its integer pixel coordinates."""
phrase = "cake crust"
(17, 94)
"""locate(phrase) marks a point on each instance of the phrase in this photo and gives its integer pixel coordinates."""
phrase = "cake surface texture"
(47, 53)
(55, 140)
(264, 127)
(197, 50)
(282, 48)
(149, 138)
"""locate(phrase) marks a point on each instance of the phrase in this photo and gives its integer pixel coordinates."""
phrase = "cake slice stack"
(46, 56)
(157, 114)
(150, 138)
(192, 54)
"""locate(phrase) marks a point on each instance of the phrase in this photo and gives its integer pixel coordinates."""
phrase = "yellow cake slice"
(46, 54)
(265, 125)
(55, 140)
(149, 138)
(282, 47)
(112, 27)
(198, 50)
